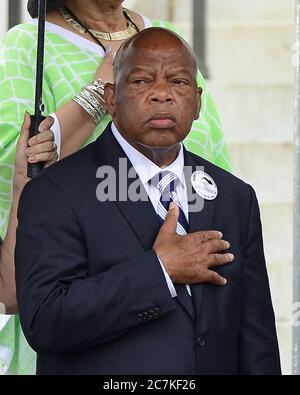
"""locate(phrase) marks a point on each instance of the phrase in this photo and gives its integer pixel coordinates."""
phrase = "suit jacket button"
(150, 313)
(156, 311)
(145, 315)
(200, 342)
(140, 318)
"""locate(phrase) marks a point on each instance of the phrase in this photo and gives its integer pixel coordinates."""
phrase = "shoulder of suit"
(77, 163)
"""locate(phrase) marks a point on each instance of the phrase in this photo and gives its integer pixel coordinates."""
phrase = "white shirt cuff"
(168, 280)
(57, 133)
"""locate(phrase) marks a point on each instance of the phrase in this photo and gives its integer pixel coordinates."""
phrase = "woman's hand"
(40, 148)
(105, 69)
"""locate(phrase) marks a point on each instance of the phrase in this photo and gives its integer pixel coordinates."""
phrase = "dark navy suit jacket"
(92, 295)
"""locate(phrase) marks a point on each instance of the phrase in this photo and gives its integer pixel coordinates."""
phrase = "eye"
(180, 82)
(139, 81)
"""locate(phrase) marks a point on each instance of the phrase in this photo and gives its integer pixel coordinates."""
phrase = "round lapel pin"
(204, 185)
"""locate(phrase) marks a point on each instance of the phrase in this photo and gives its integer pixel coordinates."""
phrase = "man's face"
(156, 97)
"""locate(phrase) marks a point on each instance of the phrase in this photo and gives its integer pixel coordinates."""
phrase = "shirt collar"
(145, 168)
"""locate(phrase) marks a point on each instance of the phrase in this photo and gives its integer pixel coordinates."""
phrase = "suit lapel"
(200, 218)
(108, 152)
(185, 300)
(142, 219)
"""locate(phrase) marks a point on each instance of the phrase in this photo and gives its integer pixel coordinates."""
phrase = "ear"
(109, 97)
(198, 108)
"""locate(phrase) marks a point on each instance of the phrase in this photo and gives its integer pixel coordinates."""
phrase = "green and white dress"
(70, 63)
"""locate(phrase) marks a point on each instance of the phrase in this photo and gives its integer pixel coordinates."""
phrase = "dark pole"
(14, 12)
(40, 58)
(199, 35)
(33, 170)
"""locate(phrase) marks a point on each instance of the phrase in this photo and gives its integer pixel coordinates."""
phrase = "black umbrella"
(34, 169)
(33, 6)
(38, 9)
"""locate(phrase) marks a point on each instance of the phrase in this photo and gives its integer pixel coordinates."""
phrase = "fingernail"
(231, 256)
(224, 281)
(172, 206)
(108, 48)
(220, 235)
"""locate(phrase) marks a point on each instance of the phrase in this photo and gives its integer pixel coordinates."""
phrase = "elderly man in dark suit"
(156, 270)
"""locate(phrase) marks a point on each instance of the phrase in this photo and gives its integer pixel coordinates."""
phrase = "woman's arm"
(41, 148)
(76, 125)
(8, 302)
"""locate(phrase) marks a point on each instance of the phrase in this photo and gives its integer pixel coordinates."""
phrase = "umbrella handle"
(34, 169)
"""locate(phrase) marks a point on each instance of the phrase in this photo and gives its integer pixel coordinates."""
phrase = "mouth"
(162, 121)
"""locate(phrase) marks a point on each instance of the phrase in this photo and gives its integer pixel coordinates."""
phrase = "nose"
(161, 92)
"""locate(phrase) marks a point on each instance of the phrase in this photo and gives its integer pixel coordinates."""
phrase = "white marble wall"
(250, 60)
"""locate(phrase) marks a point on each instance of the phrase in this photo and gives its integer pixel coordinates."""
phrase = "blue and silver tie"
(166, 187)
(165, 183)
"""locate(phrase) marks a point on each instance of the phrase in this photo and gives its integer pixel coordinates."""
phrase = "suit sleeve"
(258, 346)
(62, 308)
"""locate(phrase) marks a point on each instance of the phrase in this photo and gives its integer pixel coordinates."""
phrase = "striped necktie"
(165, 183)
(166, 187)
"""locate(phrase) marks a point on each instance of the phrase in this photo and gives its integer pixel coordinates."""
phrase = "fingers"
(105, 69)
(207, 235)
(42, 147)
(39, 148)
(48, 157)
(215, 278)
(109, 55)
(170, 224)
(24, 135)
(214, 245)
(205, 276)
(45, 133)
(26, 125)
(46, 124)
(219, 259)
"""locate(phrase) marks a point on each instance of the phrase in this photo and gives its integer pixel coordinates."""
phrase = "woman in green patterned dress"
(78, 50)
(39, 148)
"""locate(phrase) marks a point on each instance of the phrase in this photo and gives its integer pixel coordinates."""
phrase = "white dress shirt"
(146, 170)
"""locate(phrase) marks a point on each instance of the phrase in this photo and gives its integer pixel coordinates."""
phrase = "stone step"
(253, 51)
(255, 112)
(242, 40)
(281, 280)
(217, 10)
(163, 9)
(277, 224)
(267, 167)
(240, 10)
